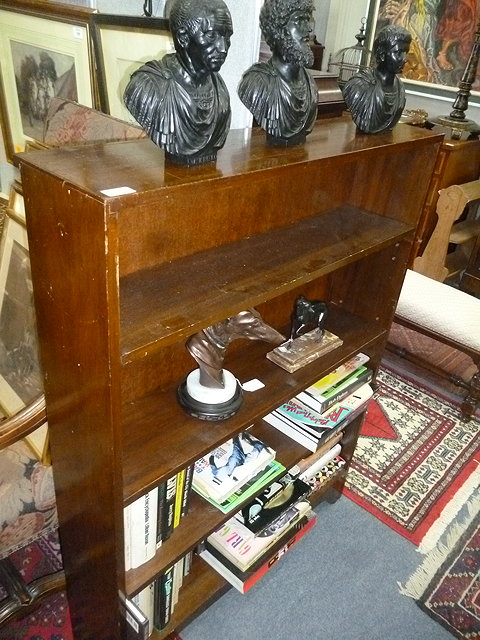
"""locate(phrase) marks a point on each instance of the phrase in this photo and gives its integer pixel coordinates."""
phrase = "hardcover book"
(242, 547)
(244, 580)
(143, 528)
(225, 469)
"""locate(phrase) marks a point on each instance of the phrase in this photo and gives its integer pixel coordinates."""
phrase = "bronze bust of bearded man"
(181, 101)
(280, 93)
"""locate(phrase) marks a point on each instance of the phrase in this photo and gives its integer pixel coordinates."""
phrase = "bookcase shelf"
(285, 258)
(156, 442)
(120, 282)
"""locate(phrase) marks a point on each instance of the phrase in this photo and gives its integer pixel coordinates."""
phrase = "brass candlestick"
(457, 123)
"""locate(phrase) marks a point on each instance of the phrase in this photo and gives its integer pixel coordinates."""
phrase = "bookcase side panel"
(74, 281)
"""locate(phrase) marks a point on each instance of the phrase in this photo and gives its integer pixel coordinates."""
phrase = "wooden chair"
(447, 316)
(448, 250)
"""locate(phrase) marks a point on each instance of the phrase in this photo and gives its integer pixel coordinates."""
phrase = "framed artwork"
(20, 374)
(122, 44)
(443, 34)
(41, 56)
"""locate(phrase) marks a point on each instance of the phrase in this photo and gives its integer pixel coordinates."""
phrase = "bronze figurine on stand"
(280, 93)
(376, 96)
(211, 392)
(181, 101)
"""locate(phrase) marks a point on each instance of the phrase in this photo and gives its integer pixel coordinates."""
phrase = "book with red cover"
(244, 580)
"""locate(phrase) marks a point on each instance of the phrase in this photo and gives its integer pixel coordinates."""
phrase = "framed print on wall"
(40, 57)
(20, 374)
(122, 44)
(443, 34)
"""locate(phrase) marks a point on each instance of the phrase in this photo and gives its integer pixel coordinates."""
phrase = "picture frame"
(20, 373)
(45, 51)
(122, 44)
(441, 44)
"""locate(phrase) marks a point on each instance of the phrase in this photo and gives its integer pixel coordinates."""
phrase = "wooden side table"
(458, 162)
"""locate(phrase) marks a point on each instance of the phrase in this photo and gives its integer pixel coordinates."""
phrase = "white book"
(145, 601)
(127, 535)
(307, 440)
(143, 528)
(228, 467)
(321, 462)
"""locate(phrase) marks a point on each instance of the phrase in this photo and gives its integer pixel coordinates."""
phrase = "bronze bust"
(181, 101)
(376, 97)
(280, 93)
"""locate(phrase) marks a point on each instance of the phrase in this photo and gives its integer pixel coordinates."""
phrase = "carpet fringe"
(449, 512)
(422, 576)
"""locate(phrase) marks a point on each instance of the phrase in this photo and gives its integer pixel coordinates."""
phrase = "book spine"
(310, 443)
(145, 600)
(163, 599)
(261, 571)
(178, 498)
(127, 536)
(169, 507)
(321, 462)
(187, 490)
(143, 528)
(136, 623)
(162, 492)
(338, 374)
(307, 462)
(343, 390)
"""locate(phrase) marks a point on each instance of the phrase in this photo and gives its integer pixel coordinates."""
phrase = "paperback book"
(244, 580)
(309, 427)
(322, 401)
(237, 543)
(269, 510)
(262, 479)
(342, 371)
(225, 469)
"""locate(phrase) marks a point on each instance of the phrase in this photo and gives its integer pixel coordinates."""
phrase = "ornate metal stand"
(456, 122)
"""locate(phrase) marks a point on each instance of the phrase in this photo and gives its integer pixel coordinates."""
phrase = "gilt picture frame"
(43, 53)
(443, 33)
(122, 44)
(20, 373)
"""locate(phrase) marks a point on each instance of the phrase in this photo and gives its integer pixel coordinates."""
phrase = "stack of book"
(252, 541)
(153, 606)
(150, 519)
(236, 470)
(316, 414)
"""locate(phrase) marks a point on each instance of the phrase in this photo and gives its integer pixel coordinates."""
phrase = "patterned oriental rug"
(50, 621)
(417, 461)
(447, 584)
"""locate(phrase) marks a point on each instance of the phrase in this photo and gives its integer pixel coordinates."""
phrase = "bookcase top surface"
(140, 165)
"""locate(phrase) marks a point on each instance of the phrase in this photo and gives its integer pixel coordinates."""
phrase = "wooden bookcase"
(120, 282)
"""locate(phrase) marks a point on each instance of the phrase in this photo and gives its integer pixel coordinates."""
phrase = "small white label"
(118, 191)
(78, 33)
(252, 385)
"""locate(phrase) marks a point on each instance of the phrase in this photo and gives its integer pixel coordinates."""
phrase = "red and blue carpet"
(417, 461)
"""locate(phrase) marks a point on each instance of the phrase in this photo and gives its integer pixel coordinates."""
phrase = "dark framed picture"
(20, 375)
(122, 44)
(44, 52)
(443, 35)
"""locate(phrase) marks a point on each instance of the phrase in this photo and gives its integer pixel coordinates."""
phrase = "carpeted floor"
(417, 460)
(447, 583)
(347, 561)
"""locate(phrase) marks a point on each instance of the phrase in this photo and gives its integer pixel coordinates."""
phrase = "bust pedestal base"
(208, 403)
